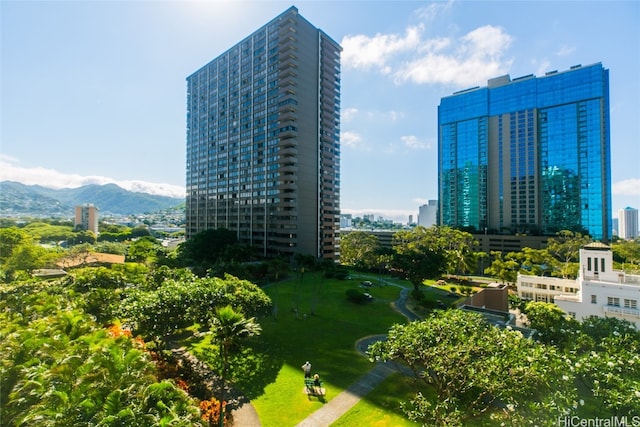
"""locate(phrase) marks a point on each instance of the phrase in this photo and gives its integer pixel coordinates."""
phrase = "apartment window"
(602, 264)
(572, 314)
(589, 264)
(631, 303)
(594, 299)
(613, 301)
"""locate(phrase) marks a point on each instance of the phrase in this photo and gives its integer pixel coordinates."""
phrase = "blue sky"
(96, 92)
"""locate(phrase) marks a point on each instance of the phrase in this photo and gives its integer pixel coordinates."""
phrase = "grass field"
(381, 407)
(324, 331)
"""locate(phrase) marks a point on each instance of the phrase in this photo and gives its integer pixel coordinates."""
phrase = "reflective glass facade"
(263, 140)
(529, 155)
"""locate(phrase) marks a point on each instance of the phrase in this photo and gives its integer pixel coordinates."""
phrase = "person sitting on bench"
(317, 384)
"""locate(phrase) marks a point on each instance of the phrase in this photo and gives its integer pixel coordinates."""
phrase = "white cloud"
(542, 66)
(468, 60)
(50, 178)
(432, 10)
(412, 142)
(350, 139)
(627, 187)
(420, 201)
(391, 115)
(348, 114)
(565, 50)
(364, 52)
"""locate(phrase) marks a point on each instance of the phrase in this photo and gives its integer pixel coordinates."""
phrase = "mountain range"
(18, 199)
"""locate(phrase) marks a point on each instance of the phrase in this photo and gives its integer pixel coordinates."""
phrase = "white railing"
(623, 311)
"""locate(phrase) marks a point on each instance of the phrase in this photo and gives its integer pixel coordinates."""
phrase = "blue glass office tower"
(263, 141)
(528, 155)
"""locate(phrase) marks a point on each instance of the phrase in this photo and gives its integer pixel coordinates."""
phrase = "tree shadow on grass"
(251, 370)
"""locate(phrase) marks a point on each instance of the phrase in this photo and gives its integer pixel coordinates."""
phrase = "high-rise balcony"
(287, 132)
(287, 116)
(289, 151)
(289, 168)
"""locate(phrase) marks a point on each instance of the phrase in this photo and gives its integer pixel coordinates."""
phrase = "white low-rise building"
(543, 288)
(599, 290)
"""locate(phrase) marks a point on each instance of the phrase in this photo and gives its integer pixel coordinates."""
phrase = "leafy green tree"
(172, 302)
(140, 231)
(228, 328)
(10, 238)
(26, 257)
(474, 368)
(552, 325)
(358, 248)
(504, 268)
(458, 247)
(110, 247)
(44, 232)
(627, 253)
(159, 313)
(610, 367)
(566, 249)
(144, 250)
(417, 257)
(537, 262)
(206, 247)
(80, 237)
(59, 369)
(384, 259)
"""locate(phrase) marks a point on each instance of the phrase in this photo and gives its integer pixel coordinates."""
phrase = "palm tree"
(228, 328)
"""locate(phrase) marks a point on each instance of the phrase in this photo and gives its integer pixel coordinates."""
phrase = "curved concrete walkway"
(340, 404)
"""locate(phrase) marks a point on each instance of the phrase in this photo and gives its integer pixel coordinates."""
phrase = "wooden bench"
(314, 387)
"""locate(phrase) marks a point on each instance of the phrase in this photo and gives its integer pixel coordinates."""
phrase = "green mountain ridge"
(18, 199)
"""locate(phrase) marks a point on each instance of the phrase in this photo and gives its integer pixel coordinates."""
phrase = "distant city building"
(410, 219)
(628, 223)
(86, 218)
(528, 155)
(263, 141)
(599, 290)
(615, 228)
(369, 217)
(346, 221)
(428, 214)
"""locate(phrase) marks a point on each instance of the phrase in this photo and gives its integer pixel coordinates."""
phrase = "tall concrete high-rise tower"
(628, 223)
(86, 218)
(529, 155)
(263, 141)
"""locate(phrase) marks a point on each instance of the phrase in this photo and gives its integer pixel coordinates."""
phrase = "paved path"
(340, 404)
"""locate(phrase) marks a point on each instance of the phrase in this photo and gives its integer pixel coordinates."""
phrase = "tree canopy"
(475, 368)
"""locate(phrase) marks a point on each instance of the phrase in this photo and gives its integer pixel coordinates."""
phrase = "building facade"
(86, 218)
(428, 214)
(628, 223)
(263, 141)
(602, 291)
(528, 155)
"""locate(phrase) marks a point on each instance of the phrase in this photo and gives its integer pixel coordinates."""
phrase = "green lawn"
(326, 339)
(381, 407)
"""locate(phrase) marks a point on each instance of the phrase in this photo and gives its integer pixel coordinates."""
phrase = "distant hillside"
(20, 199)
